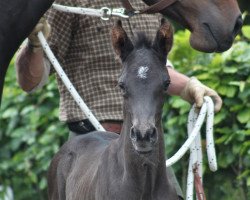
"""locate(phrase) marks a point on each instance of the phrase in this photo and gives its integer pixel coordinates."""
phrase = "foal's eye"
(121, 85)
(166, 85)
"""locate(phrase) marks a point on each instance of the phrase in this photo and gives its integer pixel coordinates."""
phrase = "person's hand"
(194, 91)
(43, 26)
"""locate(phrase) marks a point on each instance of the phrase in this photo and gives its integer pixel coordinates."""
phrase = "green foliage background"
(30, 132)
(228, 73)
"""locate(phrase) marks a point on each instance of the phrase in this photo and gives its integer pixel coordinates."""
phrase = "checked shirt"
(82, 45)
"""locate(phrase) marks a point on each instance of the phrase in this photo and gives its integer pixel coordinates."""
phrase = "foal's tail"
(18, 18)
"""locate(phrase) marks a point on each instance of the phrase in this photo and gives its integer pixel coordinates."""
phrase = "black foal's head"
(144, 81)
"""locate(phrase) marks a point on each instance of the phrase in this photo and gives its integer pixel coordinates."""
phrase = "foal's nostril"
(152, 134)
(135, 134)
(238, 25)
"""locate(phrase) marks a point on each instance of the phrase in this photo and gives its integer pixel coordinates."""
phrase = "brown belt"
(112, 126)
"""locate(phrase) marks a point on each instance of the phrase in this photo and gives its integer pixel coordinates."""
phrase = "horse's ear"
(121, 43)
(164, 39)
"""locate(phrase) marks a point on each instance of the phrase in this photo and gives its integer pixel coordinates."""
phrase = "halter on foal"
(103, 165)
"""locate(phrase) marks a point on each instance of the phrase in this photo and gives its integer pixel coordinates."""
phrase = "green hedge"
(30, 132)
(228, 73)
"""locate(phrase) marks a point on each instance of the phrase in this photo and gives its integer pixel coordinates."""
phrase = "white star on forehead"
(142, 72)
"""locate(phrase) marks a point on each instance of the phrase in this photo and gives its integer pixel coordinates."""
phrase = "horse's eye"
(121, 85)
(123, 88)
(166, 84)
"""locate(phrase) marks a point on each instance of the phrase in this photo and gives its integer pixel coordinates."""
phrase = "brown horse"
(105, 166)
(213, 23)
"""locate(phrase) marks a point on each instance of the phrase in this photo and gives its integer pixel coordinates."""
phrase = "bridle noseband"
(155, 8)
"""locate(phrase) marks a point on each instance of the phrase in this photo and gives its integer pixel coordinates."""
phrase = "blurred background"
(30, 132)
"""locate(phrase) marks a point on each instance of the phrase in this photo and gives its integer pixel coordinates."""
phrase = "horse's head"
(143, 82)
(213, 23)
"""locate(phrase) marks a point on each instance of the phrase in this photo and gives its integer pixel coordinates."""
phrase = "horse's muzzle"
(143, 140)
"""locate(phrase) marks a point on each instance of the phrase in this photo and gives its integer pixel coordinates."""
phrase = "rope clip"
(108, 12)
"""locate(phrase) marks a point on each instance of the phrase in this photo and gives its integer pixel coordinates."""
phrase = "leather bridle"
(155, 8)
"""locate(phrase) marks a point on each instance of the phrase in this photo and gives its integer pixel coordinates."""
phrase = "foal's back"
(77, 158)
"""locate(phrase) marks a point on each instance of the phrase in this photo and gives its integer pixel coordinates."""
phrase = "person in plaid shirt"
(83, 47)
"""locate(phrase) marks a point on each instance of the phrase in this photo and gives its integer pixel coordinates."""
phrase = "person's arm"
(30, 67)
(191, 90)
(178, 82)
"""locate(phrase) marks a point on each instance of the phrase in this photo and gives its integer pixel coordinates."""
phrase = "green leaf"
(242, 86)
(225, 160)
(217, 60)
(33, 177)
(244, 116)
(248, 181)
(221, 140)
(43, 183)
(230, 70)
(178, 103)
(219, 117)
(231, 91)
(9, 113)
(246, 31)
(222, 89)
(204, 76)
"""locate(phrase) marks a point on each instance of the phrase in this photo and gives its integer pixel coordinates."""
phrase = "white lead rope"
(104, 13)
(68, 84)
(194, 144)
(78, 10)
(194, 126)
(196, 148)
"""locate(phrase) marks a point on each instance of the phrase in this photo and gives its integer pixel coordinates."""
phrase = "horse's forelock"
(142, 40)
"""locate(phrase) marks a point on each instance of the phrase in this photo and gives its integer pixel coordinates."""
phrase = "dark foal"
(106, 166)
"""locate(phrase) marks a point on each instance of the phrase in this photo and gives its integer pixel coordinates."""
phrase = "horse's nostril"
(238, 25)
(150, 135)
(135, 134)
(132, 134)
(153, 135)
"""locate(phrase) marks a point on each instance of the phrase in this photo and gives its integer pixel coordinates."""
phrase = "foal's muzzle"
(143, 140)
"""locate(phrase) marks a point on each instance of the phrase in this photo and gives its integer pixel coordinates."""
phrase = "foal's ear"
(121, 43)
(164, 39)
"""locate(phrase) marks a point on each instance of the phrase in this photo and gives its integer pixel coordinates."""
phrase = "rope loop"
(195, 161)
